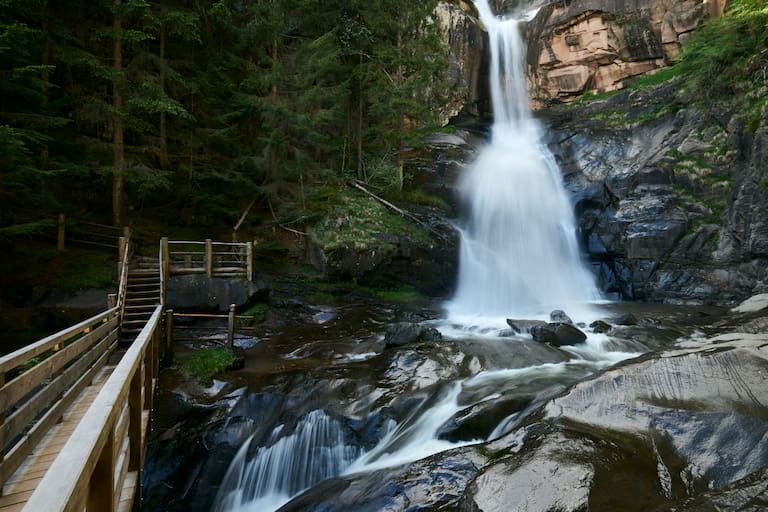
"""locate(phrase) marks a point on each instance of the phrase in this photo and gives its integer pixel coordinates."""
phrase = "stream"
(332, 416)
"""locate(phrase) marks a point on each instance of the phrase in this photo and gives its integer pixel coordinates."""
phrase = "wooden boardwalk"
(20, 486)
(75, 406)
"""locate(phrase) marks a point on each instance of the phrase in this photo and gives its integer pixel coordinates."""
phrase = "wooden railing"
(215, 259)
(125, 252)
(40, 381)
(105, 453)
(88, 233)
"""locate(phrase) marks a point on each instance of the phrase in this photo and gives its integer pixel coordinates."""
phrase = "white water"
(274, 474)
(519, 254)
(519, 259)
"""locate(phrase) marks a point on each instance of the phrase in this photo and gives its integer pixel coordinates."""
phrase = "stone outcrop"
(462, 33)
(667, 196)
(592, 45)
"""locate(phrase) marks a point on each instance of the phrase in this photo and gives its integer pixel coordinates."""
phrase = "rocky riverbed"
(672, 416)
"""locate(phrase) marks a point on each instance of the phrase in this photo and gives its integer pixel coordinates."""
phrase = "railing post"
(111, 300)
(60, 238)
(231, 327)
(209, 257)
(126, 232)
(249, 260)
(168, 352)
(121, 250)
(101, 491)
(166, 257)
(135, 408)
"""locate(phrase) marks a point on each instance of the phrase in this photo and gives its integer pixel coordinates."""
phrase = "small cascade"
(416, 437)
(287, 465)
(519, 253)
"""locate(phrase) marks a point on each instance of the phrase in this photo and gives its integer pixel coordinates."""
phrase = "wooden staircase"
(142, 294)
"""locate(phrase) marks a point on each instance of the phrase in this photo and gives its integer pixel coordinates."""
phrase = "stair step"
(148, 301)
(142, 293)
(146, 313)
(136, 286)
(143, 272)
(133, 322)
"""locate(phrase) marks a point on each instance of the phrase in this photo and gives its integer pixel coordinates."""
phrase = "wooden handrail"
(208, 257)
(122, 287)
(38, 382)
(92, 467)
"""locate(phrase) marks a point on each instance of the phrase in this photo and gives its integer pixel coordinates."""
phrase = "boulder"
(626, 319)
(405, 333)
(753, 304)
(524, 326)
(559, 316)
(600, 326)
(558, 334)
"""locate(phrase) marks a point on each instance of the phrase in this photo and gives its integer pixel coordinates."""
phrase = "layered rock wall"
(464, 37)
(670, 199)
(597, 45)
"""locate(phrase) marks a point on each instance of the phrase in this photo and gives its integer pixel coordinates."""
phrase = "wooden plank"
(14, 359)
(65, 485)
(15, 457)
(19, 387)
(36, 465)
(18, 421)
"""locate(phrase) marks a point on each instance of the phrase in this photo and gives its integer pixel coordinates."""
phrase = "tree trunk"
(117, 103)
(164, 159)
(399, 80)
(360, 170)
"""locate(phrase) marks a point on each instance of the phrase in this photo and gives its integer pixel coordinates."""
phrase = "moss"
(205, 364)
(660, 77)
(356, 220)
(405, 293)
(257, 311)
(420, 197)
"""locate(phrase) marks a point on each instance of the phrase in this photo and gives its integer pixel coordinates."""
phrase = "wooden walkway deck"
(75, 406)
(20, 486)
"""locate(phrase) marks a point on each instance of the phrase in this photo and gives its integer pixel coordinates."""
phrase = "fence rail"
(38, 383)
(88, 233)
(215, 259)
(102, 461)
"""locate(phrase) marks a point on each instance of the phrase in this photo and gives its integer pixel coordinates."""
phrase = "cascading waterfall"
(519, 254)
(519, 258)
(316, 450)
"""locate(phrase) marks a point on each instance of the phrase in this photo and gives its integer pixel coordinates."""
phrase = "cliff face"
(581, 45)
(669, 198)
(464, 38)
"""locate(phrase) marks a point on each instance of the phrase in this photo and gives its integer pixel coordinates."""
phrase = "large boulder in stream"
(558, 334)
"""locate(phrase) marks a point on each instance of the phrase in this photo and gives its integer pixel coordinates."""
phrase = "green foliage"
(405, 293)
(258, 312)
(720, 54)
(356, 219)
(222, 102)
(205, 364)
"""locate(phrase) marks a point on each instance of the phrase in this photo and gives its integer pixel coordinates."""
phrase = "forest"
(192, 110)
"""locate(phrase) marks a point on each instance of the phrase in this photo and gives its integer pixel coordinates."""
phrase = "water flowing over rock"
(518, 251)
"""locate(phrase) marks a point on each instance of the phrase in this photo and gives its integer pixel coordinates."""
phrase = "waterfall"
(519, 253)
(266, 480)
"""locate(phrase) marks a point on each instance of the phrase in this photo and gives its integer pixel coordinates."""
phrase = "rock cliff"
(668, 196)
(464, 37)
(576, 46)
